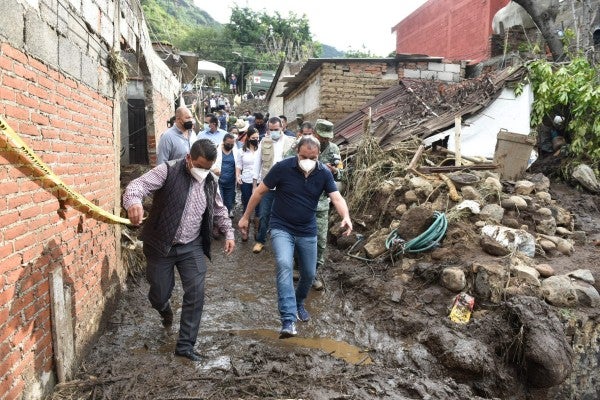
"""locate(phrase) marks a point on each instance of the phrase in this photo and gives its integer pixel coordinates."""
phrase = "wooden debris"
(450, 152)
(452, 192)
(453, 168)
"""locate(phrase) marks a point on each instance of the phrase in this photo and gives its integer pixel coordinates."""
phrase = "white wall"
(478, 137)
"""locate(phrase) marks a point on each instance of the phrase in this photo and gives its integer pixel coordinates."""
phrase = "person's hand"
(346, 223)
(243, 225)
(332, 168)
(136, 214)
(229, 246)
(239, 180)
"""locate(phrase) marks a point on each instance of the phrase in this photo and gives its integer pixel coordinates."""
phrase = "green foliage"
(571, 89)
(272, 38)
(262, 40)
(171, 22)
(363, 53)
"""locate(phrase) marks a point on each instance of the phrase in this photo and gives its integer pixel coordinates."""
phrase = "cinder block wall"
(454, 29)
(57, 94)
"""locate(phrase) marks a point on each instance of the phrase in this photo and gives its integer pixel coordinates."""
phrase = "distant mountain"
(331, 52)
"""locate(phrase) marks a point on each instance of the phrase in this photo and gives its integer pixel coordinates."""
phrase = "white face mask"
(199, 173)
(275, 135)
(307, 165)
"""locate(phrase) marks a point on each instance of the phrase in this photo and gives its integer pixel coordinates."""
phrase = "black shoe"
(191, 354)
(167, 316)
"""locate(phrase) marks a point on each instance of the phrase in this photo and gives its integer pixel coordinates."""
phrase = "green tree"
(171, 22)
(572, 87)
(363, 53)
(269, 39)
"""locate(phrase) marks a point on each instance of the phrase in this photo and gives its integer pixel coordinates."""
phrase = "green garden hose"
(425, 241)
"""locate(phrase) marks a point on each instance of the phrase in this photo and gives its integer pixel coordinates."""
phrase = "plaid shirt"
(194, 207)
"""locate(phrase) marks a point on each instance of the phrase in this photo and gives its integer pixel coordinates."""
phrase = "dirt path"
(377, 332)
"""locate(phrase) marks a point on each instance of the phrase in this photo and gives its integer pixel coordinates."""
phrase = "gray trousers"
(160, 272)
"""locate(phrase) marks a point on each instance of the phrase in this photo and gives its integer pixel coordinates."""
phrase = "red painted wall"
(453, 29)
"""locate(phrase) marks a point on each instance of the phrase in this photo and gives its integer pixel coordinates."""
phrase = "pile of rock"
(516, 222)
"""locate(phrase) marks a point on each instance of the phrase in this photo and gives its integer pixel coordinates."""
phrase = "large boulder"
(414, 221)
(546, 357)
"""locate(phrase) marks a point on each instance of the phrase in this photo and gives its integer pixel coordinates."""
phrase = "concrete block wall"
(433, 70)
(452, 29)
(58, 96)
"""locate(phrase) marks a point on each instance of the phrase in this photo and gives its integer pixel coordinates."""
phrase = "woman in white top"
(244, 168)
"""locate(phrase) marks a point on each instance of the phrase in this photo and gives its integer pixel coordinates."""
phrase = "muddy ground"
(378, 331)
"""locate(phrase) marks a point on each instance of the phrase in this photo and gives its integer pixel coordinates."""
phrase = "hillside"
(171, 20)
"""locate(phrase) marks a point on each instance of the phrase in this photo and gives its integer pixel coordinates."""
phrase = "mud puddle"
(338, 349)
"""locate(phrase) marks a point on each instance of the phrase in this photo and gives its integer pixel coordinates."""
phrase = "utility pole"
(242, 91)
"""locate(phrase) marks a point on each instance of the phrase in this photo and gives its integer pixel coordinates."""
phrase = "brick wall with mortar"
(347, 86)
(57, 94)
(453, 29)
(337, 89)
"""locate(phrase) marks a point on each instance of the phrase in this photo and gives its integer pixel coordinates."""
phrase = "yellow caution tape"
(78, 201)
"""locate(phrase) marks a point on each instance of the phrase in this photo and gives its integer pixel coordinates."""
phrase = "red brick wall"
(70, 127)
(453, 29)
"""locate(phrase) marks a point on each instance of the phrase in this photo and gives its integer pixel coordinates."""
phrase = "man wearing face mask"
(186, 204)
(306, 129)
(298, 183)
(176, 141)
(271, 150)
(213, 133)
(259, 125)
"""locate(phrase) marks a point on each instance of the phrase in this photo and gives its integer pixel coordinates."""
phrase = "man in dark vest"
(177, 233)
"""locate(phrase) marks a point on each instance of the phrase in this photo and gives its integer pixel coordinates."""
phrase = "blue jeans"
(266, 203)
(284, 244)
(228, 194)
(246, 190)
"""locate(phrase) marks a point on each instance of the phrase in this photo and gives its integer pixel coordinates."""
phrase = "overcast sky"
(343, 25)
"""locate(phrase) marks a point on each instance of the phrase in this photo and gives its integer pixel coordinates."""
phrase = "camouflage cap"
(324, 128)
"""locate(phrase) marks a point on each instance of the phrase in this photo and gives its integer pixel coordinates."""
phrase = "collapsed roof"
(422, 108)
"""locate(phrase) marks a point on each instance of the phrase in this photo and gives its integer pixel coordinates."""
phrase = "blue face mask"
(275, 135)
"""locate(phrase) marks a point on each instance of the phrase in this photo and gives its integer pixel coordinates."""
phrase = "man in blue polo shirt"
(298, 183)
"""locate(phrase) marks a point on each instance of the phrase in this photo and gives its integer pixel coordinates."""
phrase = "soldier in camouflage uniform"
(329, 156)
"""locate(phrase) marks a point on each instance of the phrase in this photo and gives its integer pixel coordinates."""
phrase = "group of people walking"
(286, 180)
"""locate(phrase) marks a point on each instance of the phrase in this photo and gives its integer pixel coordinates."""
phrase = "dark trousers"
(160, 272)
(266, 204)
(227, 194)
(246, 189)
